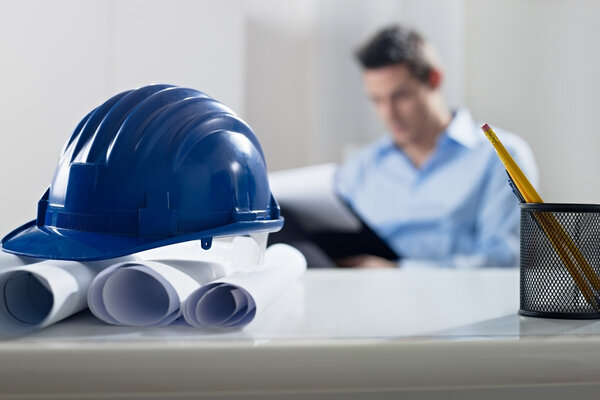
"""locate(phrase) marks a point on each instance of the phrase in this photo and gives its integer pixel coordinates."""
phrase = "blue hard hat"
(150, 167)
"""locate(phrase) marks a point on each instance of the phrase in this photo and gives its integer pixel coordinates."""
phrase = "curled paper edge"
(178, 279)
(283, 265)
(63, 284)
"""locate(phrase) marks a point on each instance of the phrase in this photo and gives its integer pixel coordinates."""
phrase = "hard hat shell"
(152, 166)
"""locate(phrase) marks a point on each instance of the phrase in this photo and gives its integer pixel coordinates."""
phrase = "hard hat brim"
(65, 244)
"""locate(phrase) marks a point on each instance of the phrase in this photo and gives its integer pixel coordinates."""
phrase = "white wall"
(526, 65)
(279, 78)
(532, 66)
(62, 58)
(304, 94)
(287, 68)
(341, 114)
(344, 115)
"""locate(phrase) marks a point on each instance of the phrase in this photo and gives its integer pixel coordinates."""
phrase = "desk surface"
(344, 333)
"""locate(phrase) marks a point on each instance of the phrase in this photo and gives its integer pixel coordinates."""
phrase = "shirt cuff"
(415, 263)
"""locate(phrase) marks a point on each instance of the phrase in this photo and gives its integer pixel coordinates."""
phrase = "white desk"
(338, 334)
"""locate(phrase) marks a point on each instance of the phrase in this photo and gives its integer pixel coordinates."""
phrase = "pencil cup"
(560, 260)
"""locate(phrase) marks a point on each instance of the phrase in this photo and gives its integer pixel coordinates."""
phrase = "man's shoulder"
(469, 130)
(512, 141)
(372, 151)
(361, 163)
(520, 150)
(375, 146)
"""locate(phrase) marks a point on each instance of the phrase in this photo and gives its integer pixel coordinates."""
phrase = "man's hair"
(397, 44)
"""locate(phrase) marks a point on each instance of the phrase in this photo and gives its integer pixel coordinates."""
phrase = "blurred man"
(433, 188)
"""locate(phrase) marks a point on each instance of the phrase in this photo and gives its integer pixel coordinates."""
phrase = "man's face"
(401, 101)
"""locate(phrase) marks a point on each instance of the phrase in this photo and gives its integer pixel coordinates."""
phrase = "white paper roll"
(36, 295)
(236, 299)
(147, 293)
(150, 292)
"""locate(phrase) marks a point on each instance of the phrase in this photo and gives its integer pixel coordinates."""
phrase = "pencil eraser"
(486, 127)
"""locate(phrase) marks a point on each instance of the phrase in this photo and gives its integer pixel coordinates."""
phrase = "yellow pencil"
(531, 196)
(559, 238)
(525, 187)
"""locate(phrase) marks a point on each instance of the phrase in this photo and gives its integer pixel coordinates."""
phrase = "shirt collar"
(462, 129)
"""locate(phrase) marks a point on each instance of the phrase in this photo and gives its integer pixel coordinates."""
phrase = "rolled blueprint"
(150, 292)
(33, 296)
(235, 300)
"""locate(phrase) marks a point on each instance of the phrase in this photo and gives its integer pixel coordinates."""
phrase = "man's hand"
(365, 261)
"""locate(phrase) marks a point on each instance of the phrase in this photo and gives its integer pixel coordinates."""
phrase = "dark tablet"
(318, 222)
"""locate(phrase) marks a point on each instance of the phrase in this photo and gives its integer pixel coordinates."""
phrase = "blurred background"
(287, 68)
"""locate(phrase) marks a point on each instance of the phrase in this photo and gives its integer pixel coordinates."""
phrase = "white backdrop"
(62, 58)
(287, 67)
(532, 66)
(529, 66)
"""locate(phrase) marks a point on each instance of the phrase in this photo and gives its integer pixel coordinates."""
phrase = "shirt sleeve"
(496, 241)
(498, 219)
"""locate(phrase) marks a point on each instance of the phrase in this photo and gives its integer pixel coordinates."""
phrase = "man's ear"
(435, 78)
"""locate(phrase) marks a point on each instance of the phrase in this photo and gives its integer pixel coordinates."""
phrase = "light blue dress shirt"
(456, 211)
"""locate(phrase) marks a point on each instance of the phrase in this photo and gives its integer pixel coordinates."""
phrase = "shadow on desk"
(517, 326)
(293, 234)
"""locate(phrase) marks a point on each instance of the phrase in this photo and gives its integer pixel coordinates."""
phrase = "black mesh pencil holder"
(560, 260)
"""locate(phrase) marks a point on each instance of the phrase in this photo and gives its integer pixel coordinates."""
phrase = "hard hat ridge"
(152, 166)
(138, 121)
(104, 135)
(81, 140)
